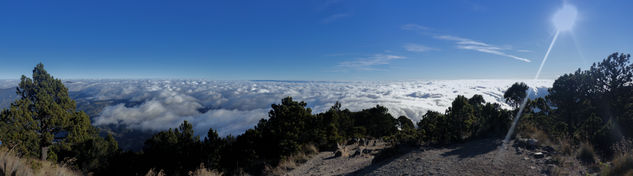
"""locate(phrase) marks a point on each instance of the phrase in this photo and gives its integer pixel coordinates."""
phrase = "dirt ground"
(478, 157)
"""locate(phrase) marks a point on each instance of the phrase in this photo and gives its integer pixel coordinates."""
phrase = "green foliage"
(405, 123)
(408, 136)
(466, 118)
(515, 94)
(595, 104)
(44, 123)
(375, 122)
(286, 129)
(492, 120)
(211, 149)
(176, 151)
(433, 128)
(461, 117)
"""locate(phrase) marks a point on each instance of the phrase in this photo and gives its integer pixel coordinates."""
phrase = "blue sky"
(306, 40)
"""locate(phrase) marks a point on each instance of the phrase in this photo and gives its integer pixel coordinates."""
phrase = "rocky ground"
(478, 157)
(349, 158)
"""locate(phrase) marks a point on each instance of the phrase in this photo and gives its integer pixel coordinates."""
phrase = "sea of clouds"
(231, 107)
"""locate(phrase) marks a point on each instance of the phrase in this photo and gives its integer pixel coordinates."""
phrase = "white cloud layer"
(231, 107)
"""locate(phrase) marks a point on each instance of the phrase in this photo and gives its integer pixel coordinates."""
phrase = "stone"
(549, 149)
(366, 151)
(338, 154)
(539, 155)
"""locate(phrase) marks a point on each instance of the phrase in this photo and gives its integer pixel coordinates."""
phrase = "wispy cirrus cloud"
(469, 44)
(417, 47)
(369, 63)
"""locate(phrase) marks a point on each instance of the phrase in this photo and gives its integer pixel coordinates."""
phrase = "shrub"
(586, 154)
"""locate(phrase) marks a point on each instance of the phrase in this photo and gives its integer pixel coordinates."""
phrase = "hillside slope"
(479, 157)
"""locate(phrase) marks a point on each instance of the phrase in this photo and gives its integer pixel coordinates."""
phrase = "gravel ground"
(479, 157)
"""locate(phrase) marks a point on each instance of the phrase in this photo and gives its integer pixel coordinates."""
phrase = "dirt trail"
(479, 157)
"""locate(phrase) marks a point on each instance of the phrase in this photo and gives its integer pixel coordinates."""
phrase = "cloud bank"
(231, 107)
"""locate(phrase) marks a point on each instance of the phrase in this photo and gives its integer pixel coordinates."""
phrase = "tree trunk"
(44, 153)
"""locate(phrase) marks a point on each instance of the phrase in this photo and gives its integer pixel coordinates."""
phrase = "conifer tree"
(43, 116)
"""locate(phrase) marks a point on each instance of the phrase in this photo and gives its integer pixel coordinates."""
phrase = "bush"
(586, 154)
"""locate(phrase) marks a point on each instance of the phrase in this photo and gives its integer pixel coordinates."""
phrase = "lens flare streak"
(538, 73)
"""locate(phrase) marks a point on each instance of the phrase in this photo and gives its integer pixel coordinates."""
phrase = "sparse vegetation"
(622, 165)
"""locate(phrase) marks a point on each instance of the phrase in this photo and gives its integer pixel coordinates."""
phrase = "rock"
(338, 154)
(539, 155)
(366, 151)
(529, 144)
(548, 160)
(549, 149)
(532, 143)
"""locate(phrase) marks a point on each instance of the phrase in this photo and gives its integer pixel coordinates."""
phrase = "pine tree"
(44, 116)
(515, 94)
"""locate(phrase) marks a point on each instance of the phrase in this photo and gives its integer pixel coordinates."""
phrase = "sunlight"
(565, 17)
(563, 20)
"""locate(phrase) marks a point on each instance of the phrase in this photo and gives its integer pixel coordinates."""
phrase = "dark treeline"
(592, 106)
(288, 130)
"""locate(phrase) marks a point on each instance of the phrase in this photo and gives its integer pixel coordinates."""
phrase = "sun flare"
(565, 17)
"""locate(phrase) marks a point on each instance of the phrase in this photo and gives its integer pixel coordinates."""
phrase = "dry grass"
(203, 171)
(565, 147)
(622, 165)
(155, 172)
(10, 164)
(557, 171)
(292, 161)
(531, 131)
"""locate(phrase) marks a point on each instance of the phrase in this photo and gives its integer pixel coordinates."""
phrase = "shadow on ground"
(474, 148)
(385, 157)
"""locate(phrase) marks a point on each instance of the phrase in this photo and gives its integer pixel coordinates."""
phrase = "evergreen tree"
(212, 147)
(515, 94)
(461, 116)
(405, 123)
(177, 151)
(44, 116)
